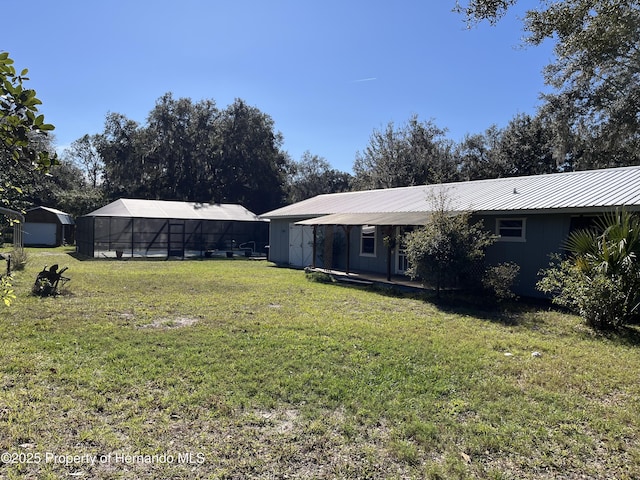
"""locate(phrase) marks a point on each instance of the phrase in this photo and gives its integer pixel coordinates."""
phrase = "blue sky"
(327, 72)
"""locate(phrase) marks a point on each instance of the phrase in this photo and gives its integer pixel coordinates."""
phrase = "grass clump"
(320, 277)
(256, 372)
(18, 259)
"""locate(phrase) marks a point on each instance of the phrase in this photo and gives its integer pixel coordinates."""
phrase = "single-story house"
(156, 228)
(44, 226)
(530, 216)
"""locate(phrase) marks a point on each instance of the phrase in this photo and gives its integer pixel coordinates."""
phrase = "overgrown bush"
(446, 249)
(600, 277)
(500, 279)
(599, 299)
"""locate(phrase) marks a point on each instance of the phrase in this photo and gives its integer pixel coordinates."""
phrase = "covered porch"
(388, 222)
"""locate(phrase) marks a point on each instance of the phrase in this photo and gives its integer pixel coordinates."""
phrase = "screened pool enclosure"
(163, 229)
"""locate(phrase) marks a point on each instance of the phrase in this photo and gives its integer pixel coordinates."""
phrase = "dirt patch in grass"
(296, 445)
(170, 323)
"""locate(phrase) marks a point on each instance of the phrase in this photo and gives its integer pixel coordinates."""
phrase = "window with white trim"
(368, 241)
(511, 229)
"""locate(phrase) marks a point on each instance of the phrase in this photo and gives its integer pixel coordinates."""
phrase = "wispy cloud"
(370, 79)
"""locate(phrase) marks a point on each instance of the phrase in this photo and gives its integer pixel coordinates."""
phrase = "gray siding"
(545, 235)
(365, 263)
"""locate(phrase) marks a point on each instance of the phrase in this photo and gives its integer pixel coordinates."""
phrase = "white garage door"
(39, 233)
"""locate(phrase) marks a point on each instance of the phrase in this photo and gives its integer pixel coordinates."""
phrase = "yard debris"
(47, 281)
(508, 354)
(536, 354)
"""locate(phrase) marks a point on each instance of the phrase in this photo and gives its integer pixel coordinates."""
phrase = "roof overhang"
(378, 218)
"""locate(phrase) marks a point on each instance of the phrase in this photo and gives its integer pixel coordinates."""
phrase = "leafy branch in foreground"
(7, 294)
(21, 126)
(19, 118)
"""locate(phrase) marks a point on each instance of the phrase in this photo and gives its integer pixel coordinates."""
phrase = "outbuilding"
(531, 218)
(44, 226)
(156, 228)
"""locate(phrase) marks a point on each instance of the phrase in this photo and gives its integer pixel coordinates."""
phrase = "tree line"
(194, 151)
(197, 151)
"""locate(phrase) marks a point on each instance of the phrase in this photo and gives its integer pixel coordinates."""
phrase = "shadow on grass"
(481, 306)
(518, 313)
(485, 307)
(628, 335)
(457, 302)
(78, 256)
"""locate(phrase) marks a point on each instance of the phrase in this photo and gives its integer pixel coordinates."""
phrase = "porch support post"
(388, 235)
(389, 250)
(347, 230)
(315, 246)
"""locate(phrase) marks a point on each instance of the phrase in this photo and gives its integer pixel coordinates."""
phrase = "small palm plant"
(611, 248)
(600, 278)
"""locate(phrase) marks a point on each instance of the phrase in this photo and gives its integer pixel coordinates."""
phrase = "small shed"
(159, 228)
(44, 226)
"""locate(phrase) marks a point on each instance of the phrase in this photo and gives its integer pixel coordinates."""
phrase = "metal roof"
(584, 191)
(393, 218)
(63, 217)
(136, 208)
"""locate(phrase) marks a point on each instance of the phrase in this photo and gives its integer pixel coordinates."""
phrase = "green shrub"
(319, 277)
(600, 278)
(446, 249)
(499, 280)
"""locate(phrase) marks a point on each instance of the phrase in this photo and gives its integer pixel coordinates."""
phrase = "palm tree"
(607, 257)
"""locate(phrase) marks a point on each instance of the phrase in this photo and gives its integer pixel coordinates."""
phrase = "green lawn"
(238, 369)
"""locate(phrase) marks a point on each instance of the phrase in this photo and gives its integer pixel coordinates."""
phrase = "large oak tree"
(595, 74)
(195, 152)
(415, 153)
(312, 175)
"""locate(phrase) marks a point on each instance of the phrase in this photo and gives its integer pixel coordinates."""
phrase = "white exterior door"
(300, 245)
(401, 256)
